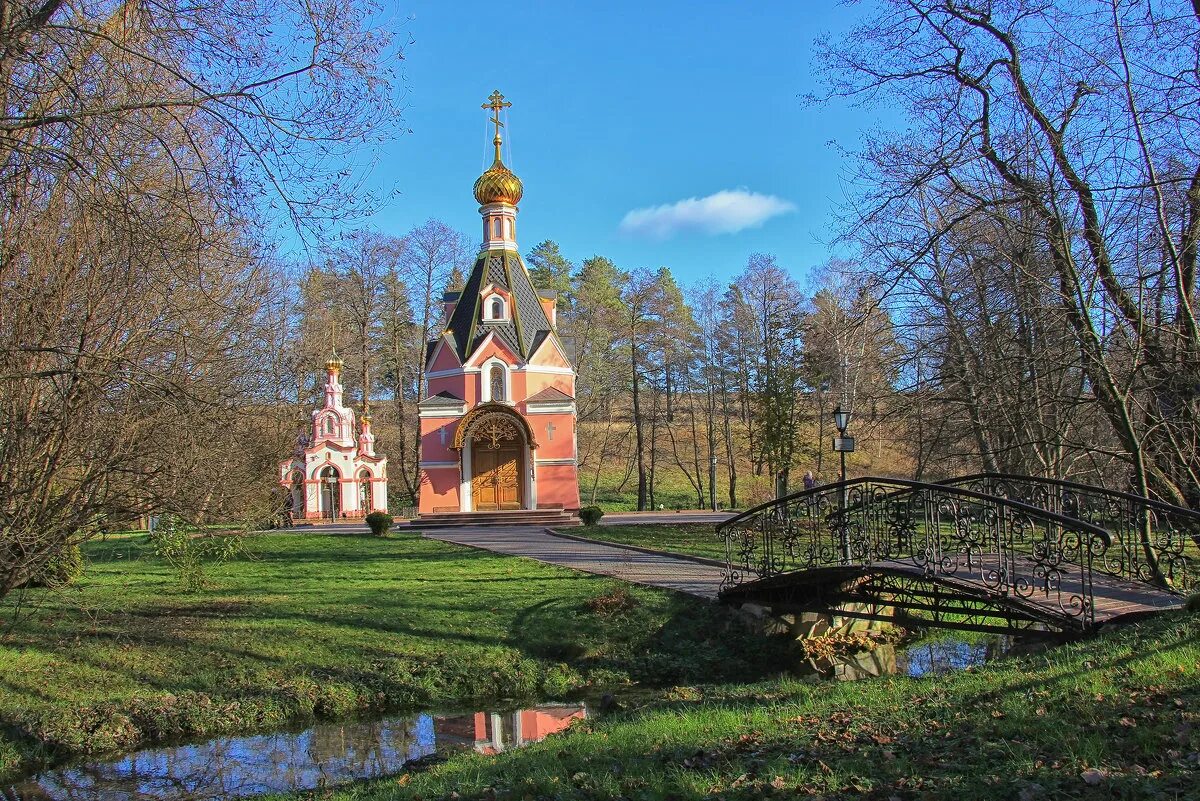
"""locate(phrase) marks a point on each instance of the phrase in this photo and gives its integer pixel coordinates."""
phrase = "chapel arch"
(496, 444)
(331, 492)
(364, 490)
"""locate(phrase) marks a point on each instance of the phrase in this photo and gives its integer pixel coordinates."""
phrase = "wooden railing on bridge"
(1006, 548)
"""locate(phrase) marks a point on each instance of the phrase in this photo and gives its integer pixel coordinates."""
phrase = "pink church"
(498, 423)
(334, 474)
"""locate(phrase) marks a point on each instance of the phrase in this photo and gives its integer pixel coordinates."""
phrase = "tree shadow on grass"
(690, 641)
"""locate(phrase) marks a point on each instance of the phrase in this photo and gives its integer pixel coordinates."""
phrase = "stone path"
(655, 570)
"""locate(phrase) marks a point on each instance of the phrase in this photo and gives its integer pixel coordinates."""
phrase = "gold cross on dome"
(496, 103)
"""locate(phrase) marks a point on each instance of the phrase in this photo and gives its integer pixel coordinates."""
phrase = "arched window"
(497, 309)
(496, 228)
(329, 426)
(331, 503)
(496, 382)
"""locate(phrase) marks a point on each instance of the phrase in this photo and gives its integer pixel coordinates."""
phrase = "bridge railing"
(1153, 542)
(1011, 548)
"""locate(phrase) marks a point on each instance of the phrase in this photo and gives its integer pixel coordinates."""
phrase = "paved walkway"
(534, 542)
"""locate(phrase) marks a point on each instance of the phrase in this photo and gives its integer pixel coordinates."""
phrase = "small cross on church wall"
(550, 429)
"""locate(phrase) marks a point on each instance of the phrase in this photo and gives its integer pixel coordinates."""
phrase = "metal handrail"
(1158, 542)
(907, 484)
(1009, 549)
(1162, 506)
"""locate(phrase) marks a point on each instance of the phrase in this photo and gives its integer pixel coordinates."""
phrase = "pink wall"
(439, 490)
(558, 484)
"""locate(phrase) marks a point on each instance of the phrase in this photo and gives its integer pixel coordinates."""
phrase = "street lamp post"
(712, 481)
(842, 445)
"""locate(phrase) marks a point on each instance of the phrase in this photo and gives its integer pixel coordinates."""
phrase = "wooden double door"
(496, 476)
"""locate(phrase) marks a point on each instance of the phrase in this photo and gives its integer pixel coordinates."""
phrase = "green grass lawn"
(325, 626)
(1114, 717)
(697, 539)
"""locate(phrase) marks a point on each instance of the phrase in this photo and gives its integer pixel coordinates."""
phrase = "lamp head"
(841, 419)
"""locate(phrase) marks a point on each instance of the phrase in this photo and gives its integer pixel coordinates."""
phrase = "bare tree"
(1075, 121)
(141, 144)
(432, 251)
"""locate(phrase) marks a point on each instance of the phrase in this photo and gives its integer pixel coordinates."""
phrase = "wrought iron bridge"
(984, 552)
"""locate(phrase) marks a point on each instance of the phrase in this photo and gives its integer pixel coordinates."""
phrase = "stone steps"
(554, 518)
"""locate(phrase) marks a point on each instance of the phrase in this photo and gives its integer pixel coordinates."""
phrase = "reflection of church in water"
(493, 732)
(334, 472)
(498, 425)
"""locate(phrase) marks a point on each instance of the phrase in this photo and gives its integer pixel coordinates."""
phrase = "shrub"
(590, 515)
(612, 603)
(61, 569)
(1193, 603)
(379, 522)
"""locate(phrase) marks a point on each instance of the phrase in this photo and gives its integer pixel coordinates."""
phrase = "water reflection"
(314, 758)
(920, 659)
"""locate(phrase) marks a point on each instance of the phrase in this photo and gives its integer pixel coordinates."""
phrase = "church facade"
(497, 425)
(334, 472)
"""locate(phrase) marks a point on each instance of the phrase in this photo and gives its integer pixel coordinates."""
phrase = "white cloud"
(724, 212)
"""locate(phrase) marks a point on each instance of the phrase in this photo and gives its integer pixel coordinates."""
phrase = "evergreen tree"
(551, 270)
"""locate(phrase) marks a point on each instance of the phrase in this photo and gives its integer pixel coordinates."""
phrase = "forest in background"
(687, 396)
(1022, 298)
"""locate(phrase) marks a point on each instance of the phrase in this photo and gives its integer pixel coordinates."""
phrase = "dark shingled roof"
(527, 325)
(443, 398)
(549, 395)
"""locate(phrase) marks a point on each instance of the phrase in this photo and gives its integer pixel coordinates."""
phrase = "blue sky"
(619, 107)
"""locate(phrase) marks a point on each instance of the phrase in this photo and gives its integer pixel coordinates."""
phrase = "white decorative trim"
(436, 465)
(436, 412)
(449, 373)
(562, 460)
(491, 337)
(548, 369)
(552, 338)
(550, 407)
(523, 368)
(437, 350)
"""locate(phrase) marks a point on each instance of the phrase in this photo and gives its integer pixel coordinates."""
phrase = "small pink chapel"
(497, 425)
(335, 473)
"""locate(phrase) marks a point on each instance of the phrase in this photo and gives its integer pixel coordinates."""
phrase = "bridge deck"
(1113, 598)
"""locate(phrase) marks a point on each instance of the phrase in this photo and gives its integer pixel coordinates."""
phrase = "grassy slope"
(1115, 717)
(698, 539)
(883, 450)
(323, 626)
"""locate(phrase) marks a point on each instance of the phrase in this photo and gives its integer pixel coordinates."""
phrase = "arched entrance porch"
(331, 494)
(496, 452)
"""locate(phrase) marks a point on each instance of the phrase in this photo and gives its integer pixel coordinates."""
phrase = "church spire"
(498, 190)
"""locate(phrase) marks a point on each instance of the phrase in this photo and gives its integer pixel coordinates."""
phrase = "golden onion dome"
(498, 185)
(334, 363)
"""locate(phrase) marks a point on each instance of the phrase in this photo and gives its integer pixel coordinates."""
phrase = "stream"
(317, 757)
(336, 753)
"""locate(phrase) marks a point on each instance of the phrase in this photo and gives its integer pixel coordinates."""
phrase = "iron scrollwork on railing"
(1153, 542)
(1010, 548)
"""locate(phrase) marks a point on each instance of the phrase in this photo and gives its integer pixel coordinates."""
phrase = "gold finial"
(496, 103)
(335, 361)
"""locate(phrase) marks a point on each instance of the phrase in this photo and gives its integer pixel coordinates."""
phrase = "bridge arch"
(951, 543)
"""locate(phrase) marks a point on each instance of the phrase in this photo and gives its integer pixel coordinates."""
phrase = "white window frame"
(485, 380)
(487, 307)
